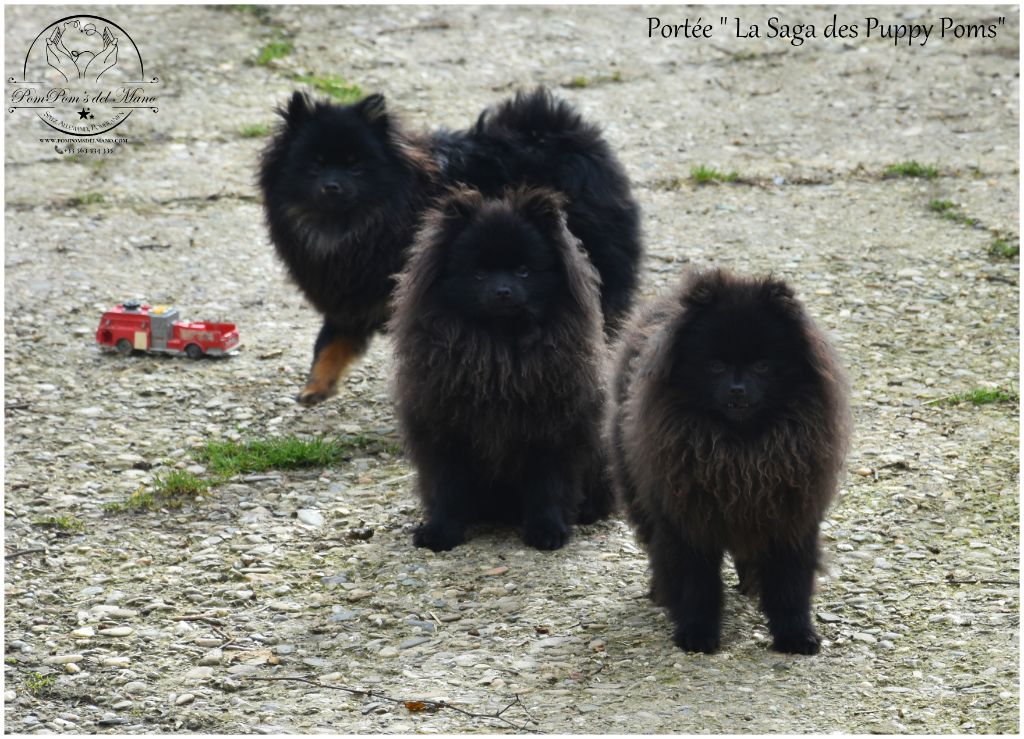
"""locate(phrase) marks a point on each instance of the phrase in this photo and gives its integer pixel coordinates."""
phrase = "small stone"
(358, 594)
(284, 606)
(865, 637)
(310, 517)
(10, 696)
(829, 618)
(496, 571)
(862, 471)
(116, 661)
(199, 673)
(213, 657)
(388, 652)
(84, 633)
(343, 615)
(122, 705)
(62, 659)
(206, 641)
(136, 686)
(184, 699)
(72, 669)
(428, 626)
(117, 631)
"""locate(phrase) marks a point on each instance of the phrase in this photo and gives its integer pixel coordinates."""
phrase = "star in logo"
(84, 113)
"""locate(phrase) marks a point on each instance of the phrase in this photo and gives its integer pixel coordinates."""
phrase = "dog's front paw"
(696, 637)
(439, 536)
(313, 394)
(804, 641)
(546, 533)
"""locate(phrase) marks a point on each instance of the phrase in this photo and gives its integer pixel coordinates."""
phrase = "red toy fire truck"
(132, 325)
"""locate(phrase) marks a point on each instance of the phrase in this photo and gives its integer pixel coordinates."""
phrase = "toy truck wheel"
(124, 347)
(194, 351)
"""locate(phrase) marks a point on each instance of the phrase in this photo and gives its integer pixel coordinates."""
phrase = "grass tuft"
(89, 198)
(179, 483)
(984, 396)
(140, 500)
(272, 50)
(911, 169)
(702, 175)
(38, 684)
(225, 459)
(601, 79)
(260, 12)
(342, 91)
(949, 210)
(254, 130)
(171, 490)
(1003, 249)
(229, 458)
(64, 523)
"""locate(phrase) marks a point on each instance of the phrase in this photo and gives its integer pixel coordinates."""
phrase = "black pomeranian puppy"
(344, 189)
(728, 430)
(498, 344)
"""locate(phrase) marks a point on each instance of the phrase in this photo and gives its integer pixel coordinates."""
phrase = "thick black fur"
(728, 430)
(497, 386)
(344, 188)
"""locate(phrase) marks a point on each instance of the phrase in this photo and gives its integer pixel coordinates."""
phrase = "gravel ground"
(176, 620)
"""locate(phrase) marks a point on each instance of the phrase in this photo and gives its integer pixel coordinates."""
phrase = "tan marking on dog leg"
(327, 369)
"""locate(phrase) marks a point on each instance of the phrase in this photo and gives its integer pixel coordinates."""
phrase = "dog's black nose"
(737, 390)
(503, 293)
(331, 188)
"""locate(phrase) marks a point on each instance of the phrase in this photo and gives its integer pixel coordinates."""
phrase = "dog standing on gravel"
(344, 188)
(728, 431)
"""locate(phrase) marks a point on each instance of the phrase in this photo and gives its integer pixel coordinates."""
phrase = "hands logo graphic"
(76, 63)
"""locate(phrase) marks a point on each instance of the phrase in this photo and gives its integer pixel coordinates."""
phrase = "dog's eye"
(716, 367)
(522, 271)
(761, 366)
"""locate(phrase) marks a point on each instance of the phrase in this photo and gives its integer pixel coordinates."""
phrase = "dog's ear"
(456, 209)
(374, 111)
(703, 289)
(779, 294)
(299, 109)
(541, 207)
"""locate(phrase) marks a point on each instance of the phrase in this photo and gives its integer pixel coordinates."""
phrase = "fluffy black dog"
(728, 431)
(344, 188)
(498, 341)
